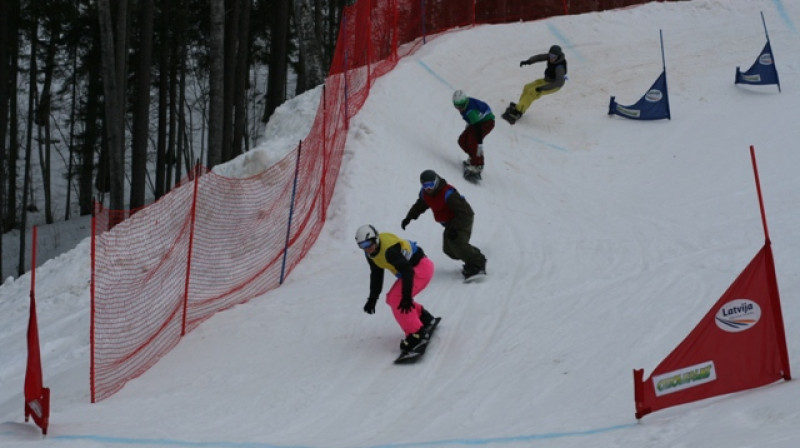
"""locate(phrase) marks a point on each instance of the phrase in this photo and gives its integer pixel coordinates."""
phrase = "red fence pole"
(91, 300)
(191, 245)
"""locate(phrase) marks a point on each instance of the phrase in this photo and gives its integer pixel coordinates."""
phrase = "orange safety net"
(214, 242)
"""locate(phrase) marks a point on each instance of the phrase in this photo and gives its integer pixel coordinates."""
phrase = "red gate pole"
(758, 190)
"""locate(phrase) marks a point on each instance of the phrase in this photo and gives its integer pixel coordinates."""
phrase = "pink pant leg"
(410, 322)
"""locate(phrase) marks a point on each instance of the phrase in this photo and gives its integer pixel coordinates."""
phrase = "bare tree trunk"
(335, 8)
(163, 99)
(43, 118)
(4, 92)
(310, 46)
(91, 134)
(113, 70)
(32, 74)
(10, 212)
(318, 29)
(180, 28)
(23, 224)
(276, 90)
(183, 154)
(12, 219)
(141, 116)
(216, 110)
(43, 145)
(14, 143)
(173, 113)
(240, 89)
(71, 143)
(229, 67)
(161, 138)
(28, 146)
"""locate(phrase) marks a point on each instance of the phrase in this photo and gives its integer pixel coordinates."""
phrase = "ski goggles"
(366, 244)
(428, 186)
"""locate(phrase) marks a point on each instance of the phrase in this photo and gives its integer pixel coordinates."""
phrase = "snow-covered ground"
(608, 239)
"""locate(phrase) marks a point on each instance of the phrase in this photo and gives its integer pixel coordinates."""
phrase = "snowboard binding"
(511, 115)
(471, 173)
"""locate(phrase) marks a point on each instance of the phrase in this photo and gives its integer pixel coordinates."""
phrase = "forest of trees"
(123, 97)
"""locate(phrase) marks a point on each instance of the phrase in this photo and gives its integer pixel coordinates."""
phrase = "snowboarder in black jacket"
(453, 212)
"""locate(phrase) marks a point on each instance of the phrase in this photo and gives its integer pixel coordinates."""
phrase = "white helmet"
(366, 235)
(460, 99)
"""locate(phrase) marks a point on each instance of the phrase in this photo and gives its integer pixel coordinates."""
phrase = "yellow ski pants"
(529, 94)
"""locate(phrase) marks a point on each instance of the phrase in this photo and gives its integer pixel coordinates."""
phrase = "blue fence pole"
(291, 212)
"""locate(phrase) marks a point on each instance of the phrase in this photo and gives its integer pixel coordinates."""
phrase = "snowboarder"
(480, 122)
(413, 270)
(554, 77)
(451, 210)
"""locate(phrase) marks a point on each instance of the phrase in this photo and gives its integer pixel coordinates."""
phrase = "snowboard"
(509, 114)
(470, 175)
(476, 278)
(412, 356)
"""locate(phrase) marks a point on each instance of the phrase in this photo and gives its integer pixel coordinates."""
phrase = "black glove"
(525, 62)
(406, 305)
(369, 307)
(452, 233)
(404, 223)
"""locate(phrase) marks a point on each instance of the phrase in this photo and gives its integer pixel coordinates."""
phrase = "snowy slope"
(607, 239)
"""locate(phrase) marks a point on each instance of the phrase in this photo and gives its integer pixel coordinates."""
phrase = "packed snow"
(607, 241)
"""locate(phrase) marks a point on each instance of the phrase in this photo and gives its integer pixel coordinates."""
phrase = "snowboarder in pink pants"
(413, 270)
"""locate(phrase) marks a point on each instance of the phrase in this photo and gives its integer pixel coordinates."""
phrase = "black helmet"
(429, 180)
(556, 50)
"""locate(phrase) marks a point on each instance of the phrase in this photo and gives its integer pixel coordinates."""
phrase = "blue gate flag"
(762, 72)
(654, 105)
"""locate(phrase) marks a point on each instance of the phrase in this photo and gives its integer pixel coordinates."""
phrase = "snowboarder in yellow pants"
(554, 78)
(532, 92)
